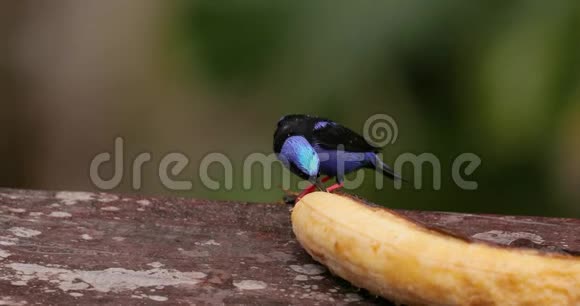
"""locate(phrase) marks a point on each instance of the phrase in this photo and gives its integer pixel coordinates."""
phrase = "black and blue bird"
(312, 147)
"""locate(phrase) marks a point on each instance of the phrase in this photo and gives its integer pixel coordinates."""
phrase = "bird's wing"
(331, 135)
(298, 155)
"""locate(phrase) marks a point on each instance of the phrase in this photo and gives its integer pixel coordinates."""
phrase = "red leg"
(334, 187)
(325, 179)
(306, 191)
(311, 188)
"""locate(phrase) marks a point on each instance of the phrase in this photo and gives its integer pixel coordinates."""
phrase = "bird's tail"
(387, 171)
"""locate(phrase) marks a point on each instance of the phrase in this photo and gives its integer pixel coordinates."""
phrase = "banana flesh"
(391, 256)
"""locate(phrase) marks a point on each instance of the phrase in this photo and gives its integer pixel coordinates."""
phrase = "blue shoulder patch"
(297, 150)
(320, 124)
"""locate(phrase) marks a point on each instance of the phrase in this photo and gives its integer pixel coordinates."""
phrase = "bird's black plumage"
(329, 134)
(334, 136)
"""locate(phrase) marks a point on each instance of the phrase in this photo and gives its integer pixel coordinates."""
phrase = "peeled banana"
(391, 256)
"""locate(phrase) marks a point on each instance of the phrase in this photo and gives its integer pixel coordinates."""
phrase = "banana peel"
(403, 261)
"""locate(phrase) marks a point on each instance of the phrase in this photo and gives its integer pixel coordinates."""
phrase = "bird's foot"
(306, 191)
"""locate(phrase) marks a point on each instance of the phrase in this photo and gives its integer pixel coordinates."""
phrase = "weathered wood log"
(87, 248)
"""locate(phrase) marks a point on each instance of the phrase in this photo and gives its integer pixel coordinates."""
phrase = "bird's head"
(289, 125)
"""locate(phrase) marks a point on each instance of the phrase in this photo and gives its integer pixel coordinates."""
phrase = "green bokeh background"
(499, 79)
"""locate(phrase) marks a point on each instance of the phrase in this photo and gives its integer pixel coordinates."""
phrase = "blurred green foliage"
(490, 77)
